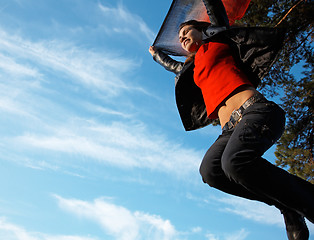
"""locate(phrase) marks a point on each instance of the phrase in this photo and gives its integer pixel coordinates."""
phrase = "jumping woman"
(213, 84)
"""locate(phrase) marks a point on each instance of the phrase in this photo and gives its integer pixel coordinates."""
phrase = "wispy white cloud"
(211, 236)
(100, 70)
(10, 106)
(101, 110)
(196, 229)
(119, 222)
(10, 231)
(10, 66)
(117, 144)
(256, 211)
(252, 210)
(239, 235)
(123, 21)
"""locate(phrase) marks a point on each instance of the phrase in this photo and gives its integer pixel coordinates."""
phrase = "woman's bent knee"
(210, 175)
(210, 168)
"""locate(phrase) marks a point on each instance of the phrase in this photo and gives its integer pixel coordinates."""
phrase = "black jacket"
(254, 49)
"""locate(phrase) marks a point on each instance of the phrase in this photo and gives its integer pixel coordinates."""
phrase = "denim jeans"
(234, 163)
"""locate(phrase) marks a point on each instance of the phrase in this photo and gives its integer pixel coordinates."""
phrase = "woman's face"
(190, 38)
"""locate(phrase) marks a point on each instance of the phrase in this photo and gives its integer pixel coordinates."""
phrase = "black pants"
(233, 164)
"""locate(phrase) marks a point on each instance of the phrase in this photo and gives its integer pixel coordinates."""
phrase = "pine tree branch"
(283, 18)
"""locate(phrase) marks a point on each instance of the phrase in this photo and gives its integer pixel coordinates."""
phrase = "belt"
(236, 115)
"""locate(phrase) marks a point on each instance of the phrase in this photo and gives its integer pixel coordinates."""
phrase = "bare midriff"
(234, 102)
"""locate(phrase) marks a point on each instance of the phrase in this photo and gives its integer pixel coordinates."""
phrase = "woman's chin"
(193, 48)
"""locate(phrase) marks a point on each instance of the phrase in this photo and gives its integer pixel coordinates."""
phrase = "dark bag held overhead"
(183, 10)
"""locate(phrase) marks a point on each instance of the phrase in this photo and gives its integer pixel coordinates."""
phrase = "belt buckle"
(236, 116)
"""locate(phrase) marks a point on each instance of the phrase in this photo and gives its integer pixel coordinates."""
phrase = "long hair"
(198, 25)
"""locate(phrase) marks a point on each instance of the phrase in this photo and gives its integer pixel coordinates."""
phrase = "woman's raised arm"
(164, 60)
(216, 12)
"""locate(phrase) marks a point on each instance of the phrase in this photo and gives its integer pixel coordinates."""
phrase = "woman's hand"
(152, 50)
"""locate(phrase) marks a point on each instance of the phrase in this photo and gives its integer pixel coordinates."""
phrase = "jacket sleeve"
(167, 62)
(216, 12)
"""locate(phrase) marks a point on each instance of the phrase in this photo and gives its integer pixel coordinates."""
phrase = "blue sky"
(92, 147)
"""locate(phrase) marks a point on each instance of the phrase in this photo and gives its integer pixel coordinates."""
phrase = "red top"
(217, 75)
